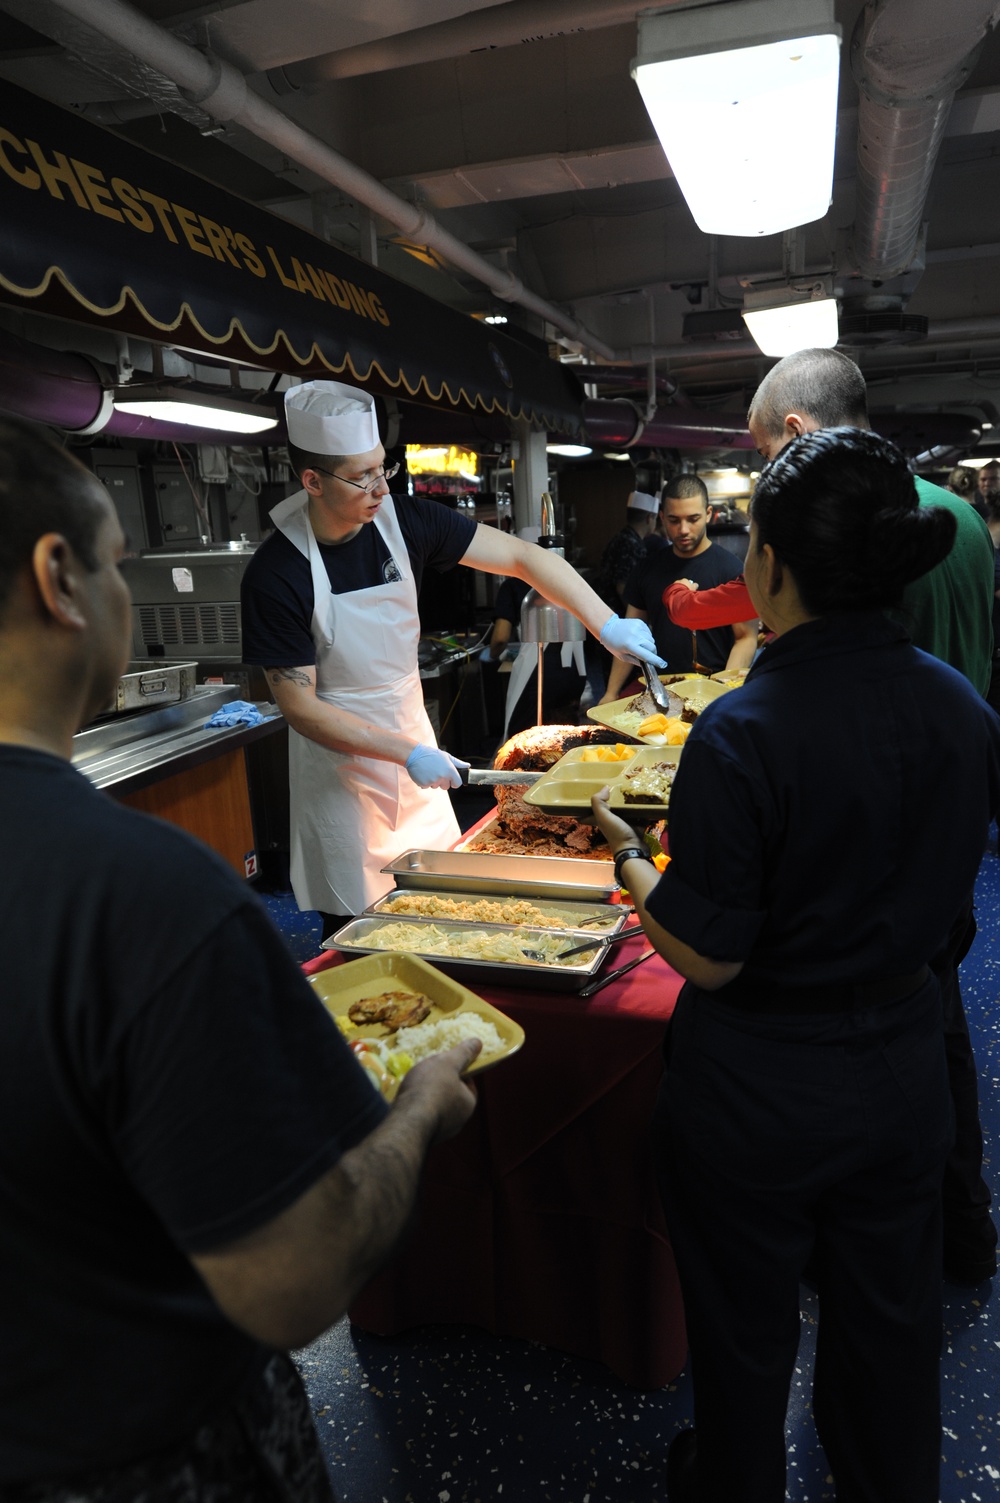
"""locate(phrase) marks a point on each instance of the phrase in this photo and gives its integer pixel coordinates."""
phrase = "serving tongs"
(657, 697)
(606, 980)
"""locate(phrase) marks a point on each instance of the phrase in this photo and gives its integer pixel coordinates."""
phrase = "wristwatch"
(626, 855)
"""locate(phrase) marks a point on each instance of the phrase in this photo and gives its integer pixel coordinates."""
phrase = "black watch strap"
(627, 854)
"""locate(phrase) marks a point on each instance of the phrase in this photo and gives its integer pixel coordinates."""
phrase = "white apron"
(351, 815)
(524, 666)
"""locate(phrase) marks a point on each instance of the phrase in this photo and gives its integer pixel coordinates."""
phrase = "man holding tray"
(195, 1172)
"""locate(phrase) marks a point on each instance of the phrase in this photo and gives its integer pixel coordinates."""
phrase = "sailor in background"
(330, 613)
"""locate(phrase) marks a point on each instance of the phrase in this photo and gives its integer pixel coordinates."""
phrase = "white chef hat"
(640, 501)
(329, 417)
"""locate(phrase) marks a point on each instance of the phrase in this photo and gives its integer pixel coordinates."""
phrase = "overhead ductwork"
(619, 424)
(212, 86)
(909, 57)
(74, 393)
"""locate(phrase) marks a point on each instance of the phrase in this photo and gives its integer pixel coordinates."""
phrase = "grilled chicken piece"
(407, 1017)
(393, 1009)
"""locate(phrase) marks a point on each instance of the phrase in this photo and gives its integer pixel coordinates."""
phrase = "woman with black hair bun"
(826, 826)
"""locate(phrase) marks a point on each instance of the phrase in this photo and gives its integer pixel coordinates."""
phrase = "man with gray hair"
(947, 613)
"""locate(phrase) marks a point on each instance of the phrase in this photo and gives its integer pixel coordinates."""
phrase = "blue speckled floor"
(451, 1415)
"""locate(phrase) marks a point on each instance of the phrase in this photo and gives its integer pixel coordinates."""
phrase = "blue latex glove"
(486, 656)
(236, 712)
(430, 767)
(630, 639)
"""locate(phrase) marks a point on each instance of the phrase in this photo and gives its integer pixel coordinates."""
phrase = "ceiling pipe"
(615, 424)
(611, 375)
(908, 57)
(74, 393)
(71, 392)
(220, 90)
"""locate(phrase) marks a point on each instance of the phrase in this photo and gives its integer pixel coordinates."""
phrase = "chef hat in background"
(640, 501)
(328, 417)
(529, 534)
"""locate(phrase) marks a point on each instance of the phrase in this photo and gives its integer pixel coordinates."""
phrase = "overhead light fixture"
(730, 88)
(620, 457)
(569, 451)
(495, 318)
(194, 409)
(785, 319)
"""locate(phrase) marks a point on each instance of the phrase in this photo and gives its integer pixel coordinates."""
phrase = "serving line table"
(165, 761)
(541, 1219)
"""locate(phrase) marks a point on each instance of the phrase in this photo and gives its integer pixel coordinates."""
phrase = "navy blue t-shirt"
(644, 590)
(277, 592)
(828, 818)
(171, 1083)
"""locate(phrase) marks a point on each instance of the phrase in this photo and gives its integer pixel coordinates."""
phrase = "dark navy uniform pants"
(782, 1139)
(969, 1232)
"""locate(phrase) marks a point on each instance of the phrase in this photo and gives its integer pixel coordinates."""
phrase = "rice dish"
(492, 911)
(432, 1038)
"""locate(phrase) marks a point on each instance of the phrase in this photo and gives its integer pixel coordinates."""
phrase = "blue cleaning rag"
(236, 712)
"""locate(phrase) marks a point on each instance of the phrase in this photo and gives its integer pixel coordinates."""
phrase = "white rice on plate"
(424, 1039)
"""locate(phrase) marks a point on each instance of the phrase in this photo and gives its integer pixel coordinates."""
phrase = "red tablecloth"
(541, 1219)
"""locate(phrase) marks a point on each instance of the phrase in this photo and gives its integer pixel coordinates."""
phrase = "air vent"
(163, 627)
(882, 328)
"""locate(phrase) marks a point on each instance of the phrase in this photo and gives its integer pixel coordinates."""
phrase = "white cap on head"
(640, 501)
(329, 417)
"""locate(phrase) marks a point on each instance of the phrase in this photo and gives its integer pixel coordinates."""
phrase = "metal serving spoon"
(589, 944)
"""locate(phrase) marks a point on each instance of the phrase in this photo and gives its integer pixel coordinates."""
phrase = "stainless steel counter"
(132, 751)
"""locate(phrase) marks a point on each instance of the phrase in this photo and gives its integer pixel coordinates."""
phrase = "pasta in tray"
(472, 944)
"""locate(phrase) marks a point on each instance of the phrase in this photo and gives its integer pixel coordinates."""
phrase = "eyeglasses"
(380, 475)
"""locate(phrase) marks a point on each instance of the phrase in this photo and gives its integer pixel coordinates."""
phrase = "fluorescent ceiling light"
(977, 464)
(616, 456)
(731, 89)
(495, 318)
(568, 451)
(194, 409)
(782, 322)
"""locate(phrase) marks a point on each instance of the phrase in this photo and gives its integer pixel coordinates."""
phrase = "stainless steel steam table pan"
(355, 938)
(560, 878)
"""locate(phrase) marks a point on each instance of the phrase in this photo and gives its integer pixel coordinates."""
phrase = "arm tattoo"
(290, 675)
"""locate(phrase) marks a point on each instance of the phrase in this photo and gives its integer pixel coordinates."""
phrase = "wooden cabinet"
(211, 801)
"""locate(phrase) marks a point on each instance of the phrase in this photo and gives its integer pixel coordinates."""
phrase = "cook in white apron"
(351, 815)
(524, 666)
